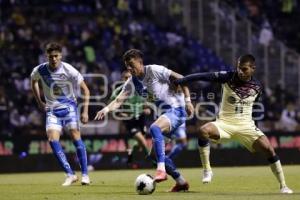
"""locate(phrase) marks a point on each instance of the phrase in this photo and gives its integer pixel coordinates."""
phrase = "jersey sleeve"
(128, 87)
(219, 77)
(35, 75)
(160, 72)
(77, 78)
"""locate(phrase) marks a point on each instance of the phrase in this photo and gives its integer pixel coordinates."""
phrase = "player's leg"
(206, 132)
(140, 138)
(54, 128)
(263, 145)
(141, 143)
(137, 130)
(179, 135)
(169, 121)
(181, 142)
(53, 138)
(81, 155)
(162, 124)
(72, 123)
(181, 183)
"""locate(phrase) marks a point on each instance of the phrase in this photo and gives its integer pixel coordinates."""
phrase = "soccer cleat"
(85, 180)
(180, 188)
(286, 190)
(160, 176)
(207, 176)
(70, 180)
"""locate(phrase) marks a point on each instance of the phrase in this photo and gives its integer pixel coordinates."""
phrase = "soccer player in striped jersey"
(234, 121)
(59, 82)
(154, 83)
(134, 112)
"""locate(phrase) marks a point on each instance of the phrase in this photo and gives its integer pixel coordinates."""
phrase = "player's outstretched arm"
(220, 77)
(188, 103)
(37, 95)
(113, 105)
(86, 98)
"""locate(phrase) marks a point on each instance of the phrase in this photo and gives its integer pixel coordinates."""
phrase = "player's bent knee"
(203, 132)
(75, 134)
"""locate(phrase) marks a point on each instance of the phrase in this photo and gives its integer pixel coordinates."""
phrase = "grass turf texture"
(228, 183)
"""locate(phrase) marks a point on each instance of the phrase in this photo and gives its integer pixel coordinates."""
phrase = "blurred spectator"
(96, 33)
(266, 34)
(289, 120)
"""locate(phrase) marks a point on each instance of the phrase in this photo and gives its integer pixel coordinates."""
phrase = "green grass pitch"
(228, 183)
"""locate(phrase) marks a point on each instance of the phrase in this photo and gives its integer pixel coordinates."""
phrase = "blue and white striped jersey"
(60, 86)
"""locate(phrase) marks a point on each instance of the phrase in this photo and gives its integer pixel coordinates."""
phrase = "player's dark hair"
(246, 58)
(132, 53)
(53, 46)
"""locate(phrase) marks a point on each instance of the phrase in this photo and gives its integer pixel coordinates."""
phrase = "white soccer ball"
(144, 184)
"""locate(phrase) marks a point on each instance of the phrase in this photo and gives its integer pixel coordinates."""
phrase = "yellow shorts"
(245, 134)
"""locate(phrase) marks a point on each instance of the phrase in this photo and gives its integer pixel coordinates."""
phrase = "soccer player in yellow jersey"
(234, 121)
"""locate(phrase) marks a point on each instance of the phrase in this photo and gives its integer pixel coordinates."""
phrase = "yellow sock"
(204, 157)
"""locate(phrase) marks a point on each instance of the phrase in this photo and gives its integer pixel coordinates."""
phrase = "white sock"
(180, 180)
(204, 157)
(278, 172)
(161, 166)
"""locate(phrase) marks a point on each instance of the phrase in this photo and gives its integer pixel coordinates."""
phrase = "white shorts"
(64, 117)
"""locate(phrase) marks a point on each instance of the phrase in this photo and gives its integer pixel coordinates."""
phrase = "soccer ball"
(144, 184)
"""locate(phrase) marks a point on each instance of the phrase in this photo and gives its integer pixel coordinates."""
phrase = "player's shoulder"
(157, 70)
(69, 69)
(155, 67)
(68, 66)
(39, 67)
(257, 84)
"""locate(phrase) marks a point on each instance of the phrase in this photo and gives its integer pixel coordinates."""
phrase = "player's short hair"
(53, 46)
(132, 53)
(246, 58)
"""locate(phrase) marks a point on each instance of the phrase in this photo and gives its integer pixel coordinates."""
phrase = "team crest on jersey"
(231, 100)
(60, 77)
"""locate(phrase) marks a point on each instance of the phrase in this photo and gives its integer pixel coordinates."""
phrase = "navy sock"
(176, 150)
(81, 154)
(158, 143)
(60, 156)
(171, 168)
(203, 142)
(273, 159)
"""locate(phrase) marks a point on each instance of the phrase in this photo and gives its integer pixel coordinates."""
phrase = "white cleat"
(85, 180)
(70, 180)
(207, 176)
(286, 190)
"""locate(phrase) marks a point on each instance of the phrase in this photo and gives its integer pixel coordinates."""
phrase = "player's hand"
(189, 108)
(42, 106)
(84, 117)
(100, 115)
